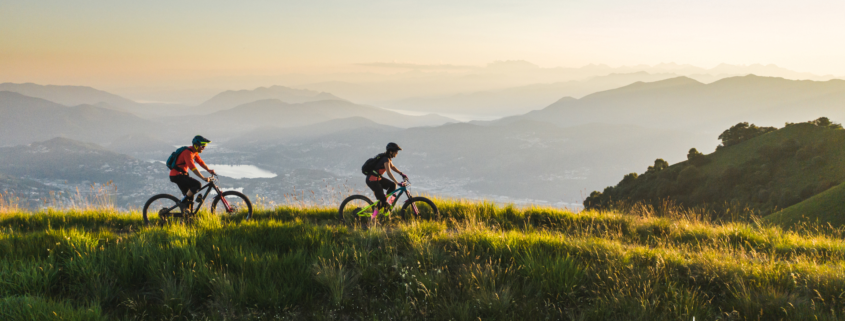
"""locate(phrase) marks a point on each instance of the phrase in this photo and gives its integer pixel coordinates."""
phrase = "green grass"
(481, 261)
(827, 207)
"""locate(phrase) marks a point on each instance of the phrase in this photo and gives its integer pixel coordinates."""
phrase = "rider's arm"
(197, 172)
(202, 164)
(389, 172)
(397, 170)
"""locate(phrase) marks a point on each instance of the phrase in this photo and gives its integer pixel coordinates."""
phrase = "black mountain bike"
(168, 206)
(357, 207)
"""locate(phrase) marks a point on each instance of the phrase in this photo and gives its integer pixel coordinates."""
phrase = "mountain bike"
(358, 207)
(169, 207)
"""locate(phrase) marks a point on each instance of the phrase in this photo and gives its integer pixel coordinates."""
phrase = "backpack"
(369, 167)
(171, 161)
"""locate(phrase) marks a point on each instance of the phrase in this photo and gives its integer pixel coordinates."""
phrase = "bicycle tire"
(343, 205)
(430, 210)
(244, 201)
(147, 213)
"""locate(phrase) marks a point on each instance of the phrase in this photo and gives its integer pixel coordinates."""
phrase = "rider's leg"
(390, 186)
(188, 186)
(378, 191)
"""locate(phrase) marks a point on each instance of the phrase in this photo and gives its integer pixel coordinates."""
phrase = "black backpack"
(369, 167)
(171, 161)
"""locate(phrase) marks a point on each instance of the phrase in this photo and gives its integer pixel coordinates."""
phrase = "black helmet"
(392, 147)
(199, 140)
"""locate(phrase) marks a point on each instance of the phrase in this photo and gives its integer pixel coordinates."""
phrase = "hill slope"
(68, 164)
(826, 207)
(765, 173)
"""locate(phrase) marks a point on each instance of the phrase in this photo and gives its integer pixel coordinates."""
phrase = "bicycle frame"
(398, 192)
(208, 187)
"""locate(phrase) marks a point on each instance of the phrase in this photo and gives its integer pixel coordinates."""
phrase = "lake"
(241, 171)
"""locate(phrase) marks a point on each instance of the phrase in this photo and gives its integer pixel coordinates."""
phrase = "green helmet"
(199, 140)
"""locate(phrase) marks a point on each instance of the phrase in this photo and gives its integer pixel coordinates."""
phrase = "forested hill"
(760, 168)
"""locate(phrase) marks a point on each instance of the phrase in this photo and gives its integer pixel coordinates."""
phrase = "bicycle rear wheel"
(420, 207)
(349, 208)
(163, 206)
(239, 204)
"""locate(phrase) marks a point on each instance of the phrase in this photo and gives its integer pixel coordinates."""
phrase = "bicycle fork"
(225, 202)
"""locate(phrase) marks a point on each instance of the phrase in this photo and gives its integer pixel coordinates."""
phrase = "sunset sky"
(142, 42)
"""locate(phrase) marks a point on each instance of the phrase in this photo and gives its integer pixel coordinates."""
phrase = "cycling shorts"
(186, 183)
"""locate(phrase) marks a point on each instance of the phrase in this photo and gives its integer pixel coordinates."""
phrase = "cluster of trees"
(742, 132)
(776, 171)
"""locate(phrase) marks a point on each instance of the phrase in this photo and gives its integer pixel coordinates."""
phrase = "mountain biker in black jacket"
(377, 183)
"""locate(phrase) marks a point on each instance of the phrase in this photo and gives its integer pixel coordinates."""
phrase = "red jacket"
(185, 162)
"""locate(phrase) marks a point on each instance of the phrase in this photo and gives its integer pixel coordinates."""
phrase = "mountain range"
(274, 112)
(71, 95)
(684, 103)
(231, 98)
(411, 81)
(519, 100)
(555, 154)
(26, 119)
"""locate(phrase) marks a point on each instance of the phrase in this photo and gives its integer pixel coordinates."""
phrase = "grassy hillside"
(480, 262)
(827, 207)
(766, 173)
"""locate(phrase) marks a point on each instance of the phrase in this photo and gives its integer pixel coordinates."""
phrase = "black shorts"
(378, 188)
(186, 183)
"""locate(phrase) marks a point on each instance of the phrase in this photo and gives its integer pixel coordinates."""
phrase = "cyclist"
(377, 183)
(185, 161)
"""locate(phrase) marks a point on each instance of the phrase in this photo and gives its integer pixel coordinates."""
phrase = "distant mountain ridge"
(274, 112)
(232, 98)
(684, 103)
(25, 119)
(519, 100)
(70, 95)
(265, 137)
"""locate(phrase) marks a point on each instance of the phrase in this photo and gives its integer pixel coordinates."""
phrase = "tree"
(659, 165)
(742, 132)
(825, 122)
(694, 157)
(628, 179)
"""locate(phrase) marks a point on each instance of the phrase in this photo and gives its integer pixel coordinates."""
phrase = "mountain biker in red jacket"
(378, 183)
(185, 161)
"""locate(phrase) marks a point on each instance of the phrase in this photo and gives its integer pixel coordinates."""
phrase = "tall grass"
(480, 261)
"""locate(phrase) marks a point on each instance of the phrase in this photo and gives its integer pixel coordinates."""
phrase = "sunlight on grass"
(480, 261)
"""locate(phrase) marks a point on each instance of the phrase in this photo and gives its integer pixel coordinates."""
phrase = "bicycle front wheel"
(162, 206)
(420, 207)
(238, 204)
(349, 208)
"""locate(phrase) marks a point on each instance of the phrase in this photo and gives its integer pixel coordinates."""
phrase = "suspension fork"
(413, 206)
(225, 202)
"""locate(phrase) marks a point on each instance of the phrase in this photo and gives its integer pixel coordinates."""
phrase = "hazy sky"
(85, 42)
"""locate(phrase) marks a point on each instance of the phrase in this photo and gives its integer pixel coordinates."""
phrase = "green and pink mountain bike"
(360, 207)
